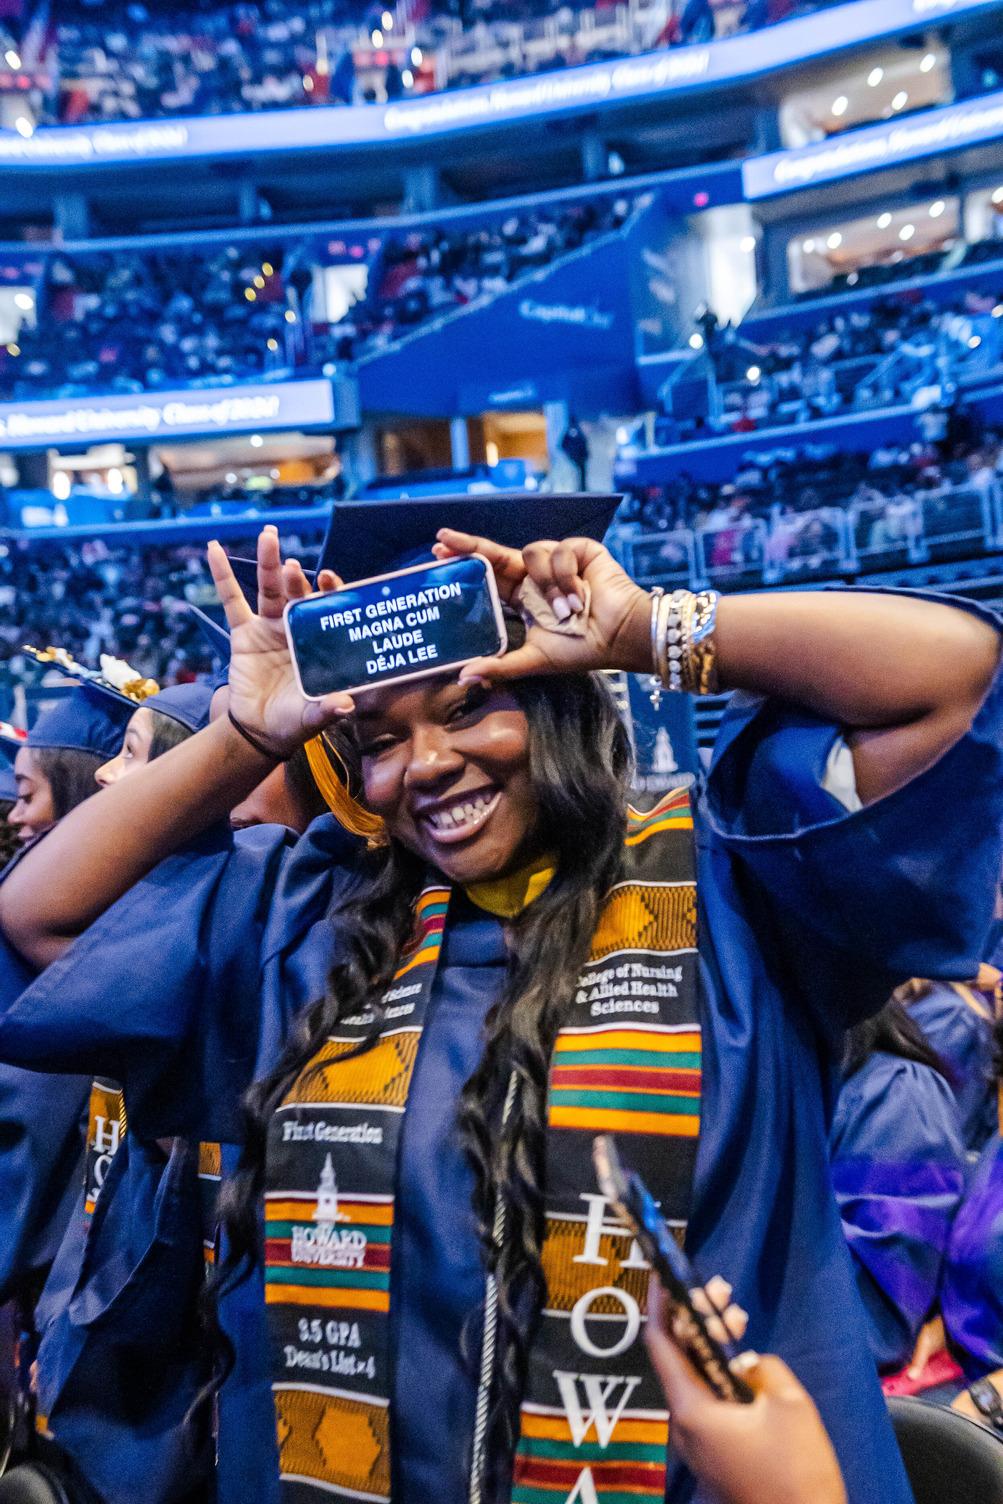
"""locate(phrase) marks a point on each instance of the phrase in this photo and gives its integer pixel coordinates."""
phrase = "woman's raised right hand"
(264, 696)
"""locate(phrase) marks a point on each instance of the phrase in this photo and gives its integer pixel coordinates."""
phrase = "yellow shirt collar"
(505, 897)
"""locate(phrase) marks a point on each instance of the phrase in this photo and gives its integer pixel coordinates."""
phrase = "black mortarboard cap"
(215, 634)
(367, 538)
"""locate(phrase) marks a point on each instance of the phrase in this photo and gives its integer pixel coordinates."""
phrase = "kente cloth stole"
(594, 1425)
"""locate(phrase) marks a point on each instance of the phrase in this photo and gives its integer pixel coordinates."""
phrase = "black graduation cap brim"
(246, 573)
(216, 635)
(366, 538)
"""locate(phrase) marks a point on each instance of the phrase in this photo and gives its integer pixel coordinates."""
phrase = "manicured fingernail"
(743, 1361)
(344, 710)
(560, 608)
(575, 602)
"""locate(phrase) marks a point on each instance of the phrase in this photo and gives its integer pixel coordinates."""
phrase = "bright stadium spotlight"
(255, 441)
(24, 127)
(937, 208)
(25, 301)
(753, 373)
(231, 477)
(834, 241)
(416, 57)
(407, 78)
(807, 246)
(290, 316)
(267, 269)
(377, 37)
(998, 195)
(884, 220)
(840, 106)
(61, 485)
(388, 21)
(997, 312)
(747, 243)
(250, 294)
(929, 63)
(907, 232)
(875, 76)
(273, 343)
(696, 341)
(259, 281)
(901, 100)
(13, 349)
(974, 341)
(11, 58)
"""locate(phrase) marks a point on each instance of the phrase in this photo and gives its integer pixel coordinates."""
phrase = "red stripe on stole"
(638, 1079)
(277, 1254)
(554, 1472)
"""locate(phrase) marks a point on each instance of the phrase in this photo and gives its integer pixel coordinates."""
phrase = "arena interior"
(737, 264)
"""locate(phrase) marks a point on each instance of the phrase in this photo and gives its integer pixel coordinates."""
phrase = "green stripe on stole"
(334, 1156)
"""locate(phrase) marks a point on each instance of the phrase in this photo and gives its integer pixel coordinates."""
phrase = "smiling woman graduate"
(434, 1019)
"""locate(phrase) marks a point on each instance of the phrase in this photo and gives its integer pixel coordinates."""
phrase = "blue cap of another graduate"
(89, 719)
(93, 716)
(9, 744)
(186, 703)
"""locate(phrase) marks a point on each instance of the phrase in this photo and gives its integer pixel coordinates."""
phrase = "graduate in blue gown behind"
(898, 1170)
(682, 975)
(122, 1356)
(957, 1021)
(972, 1299)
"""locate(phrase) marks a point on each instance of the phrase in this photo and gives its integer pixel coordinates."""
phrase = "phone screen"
(398, 626)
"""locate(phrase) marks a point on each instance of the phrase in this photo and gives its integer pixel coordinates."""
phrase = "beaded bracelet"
(683, 650)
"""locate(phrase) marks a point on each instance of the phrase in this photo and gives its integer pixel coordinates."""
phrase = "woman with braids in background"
(439, 1013)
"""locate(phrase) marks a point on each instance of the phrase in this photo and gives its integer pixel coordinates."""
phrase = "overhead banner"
(651, 75)
(147, 417)
(948, 128)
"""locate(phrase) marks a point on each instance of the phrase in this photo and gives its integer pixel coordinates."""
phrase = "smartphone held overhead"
(405, 625)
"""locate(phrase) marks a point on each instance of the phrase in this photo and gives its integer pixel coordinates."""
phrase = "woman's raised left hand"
(616, 626)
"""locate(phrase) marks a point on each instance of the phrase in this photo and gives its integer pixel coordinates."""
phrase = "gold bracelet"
(703, 644)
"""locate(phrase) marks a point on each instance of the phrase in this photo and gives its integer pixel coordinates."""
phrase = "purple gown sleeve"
(898, 1170)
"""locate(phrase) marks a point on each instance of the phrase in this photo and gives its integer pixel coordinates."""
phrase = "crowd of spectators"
(105, 60)
(136, 320)
(100, 597)
(845, 362)
(804, 509)
(141, 320)
(428, 273)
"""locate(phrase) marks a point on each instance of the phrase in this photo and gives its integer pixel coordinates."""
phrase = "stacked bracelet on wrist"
(683, 650)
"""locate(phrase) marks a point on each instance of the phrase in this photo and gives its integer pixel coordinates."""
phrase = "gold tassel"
(348, 812)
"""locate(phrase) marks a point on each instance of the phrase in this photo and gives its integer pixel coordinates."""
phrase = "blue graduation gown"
(808, 916)
(898, 1170)
(122, 1351)
(972, 1300)
(122, 1356)
(958, 1022)
(42, 1122)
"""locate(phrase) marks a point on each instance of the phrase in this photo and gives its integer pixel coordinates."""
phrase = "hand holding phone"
(395, 627)
(636, 1207)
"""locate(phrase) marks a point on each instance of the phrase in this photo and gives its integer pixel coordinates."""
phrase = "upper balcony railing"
(790, 548)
